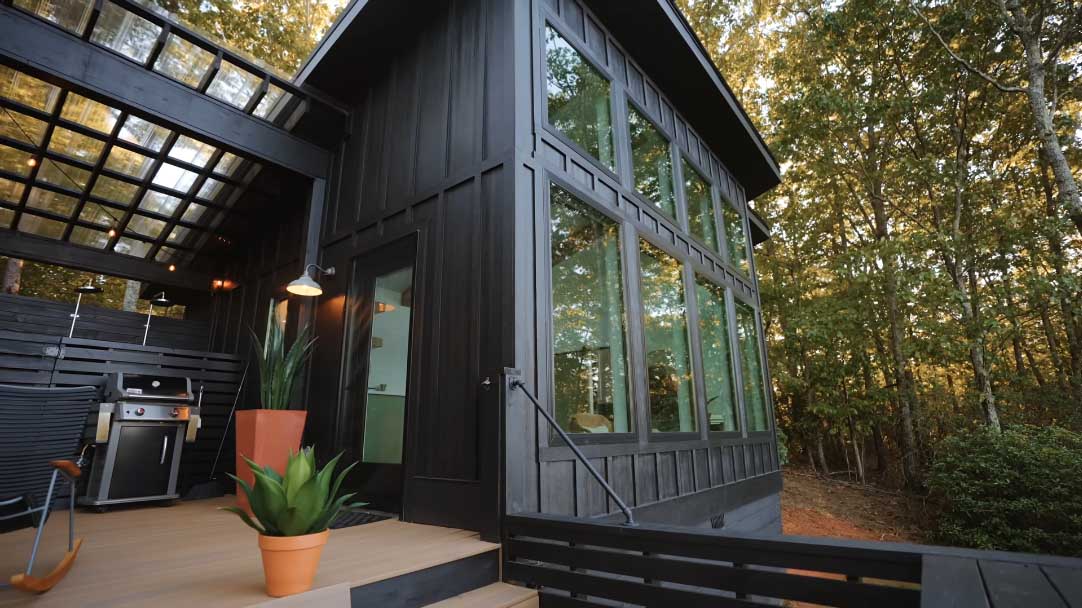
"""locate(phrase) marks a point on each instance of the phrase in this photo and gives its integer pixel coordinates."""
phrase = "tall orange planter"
(290, 562)
(267, 437)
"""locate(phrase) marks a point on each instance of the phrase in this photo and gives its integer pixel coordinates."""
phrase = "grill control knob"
(140, 411)
(175, 412)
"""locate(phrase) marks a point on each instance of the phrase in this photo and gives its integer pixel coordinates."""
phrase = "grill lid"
(147, 387)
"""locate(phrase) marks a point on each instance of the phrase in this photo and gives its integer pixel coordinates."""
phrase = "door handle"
(165, 446)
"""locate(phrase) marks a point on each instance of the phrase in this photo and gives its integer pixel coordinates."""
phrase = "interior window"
(751, 365)
(734, 234)
(717, 356)
(578, 99)
(700, 206)
(668, 361)
(652, 162)
(589, 354)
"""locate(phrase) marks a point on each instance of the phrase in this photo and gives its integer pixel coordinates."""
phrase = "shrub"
(1019, 490)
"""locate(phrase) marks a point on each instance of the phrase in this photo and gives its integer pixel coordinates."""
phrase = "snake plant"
(303, 501)
(278, 369)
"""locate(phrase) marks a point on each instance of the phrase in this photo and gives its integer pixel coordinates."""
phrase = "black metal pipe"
(519, 384)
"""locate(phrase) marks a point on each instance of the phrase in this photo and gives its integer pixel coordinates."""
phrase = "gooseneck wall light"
(158, 300)
(305, 285)
(85, 289)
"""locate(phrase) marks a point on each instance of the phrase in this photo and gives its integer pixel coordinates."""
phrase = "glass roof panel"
(159, 203)
(27, 90)
(125, 32)
(89, 237)
(146, 226)
(10, 191)
(144, 133)
(20, 127)
(193, 213)
(89, 113)
(94, 213)
(227, 164)
(178, 234)
(175, 178)
(71, 15)
(35, 224)
(75, 145)
(14, 161)
(63, 175)
(183, 61)
(6, 215)
(210, 189)
(192, 151)
(129, 246)
(130, 163)
(54, 202)
(233, 85)
(268, 106)
(165, 254)
(112, 189)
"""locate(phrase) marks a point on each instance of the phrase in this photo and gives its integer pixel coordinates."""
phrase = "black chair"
(40, 431)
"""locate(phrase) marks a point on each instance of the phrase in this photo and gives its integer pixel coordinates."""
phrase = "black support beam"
(29, 44)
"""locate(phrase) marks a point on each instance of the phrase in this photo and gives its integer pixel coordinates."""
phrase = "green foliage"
(783, 447)
(1019, 490)
(278, 369)
(303, 501)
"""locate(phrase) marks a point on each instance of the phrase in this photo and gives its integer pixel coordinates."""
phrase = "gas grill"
(143, 424)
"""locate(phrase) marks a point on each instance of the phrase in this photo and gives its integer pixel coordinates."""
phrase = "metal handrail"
(630, 518)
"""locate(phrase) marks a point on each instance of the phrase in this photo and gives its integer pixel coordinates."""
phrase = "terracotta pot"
(290, 562)
(266, 436)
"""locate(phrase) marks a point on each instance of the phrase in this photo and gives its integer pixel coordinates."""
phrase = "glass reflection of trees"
(578, 99)
(700, 206)
(734, 233)
(747, 333)
(717, 356)
(651, 161)
(590, 359)
(668, 362)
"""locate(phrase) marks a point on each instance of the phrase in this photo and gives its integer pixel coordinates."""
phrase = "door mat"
(348, 519)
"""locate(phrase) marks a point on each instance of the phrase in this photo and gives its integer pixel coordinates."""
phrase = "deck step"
(496, 595)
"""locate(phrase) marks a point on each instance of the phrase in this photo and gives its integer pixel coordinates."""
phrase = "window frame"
(548, 342)
(741, 212)
(680, 218)
(715, 195)
(768, 400)
(572, 40)
(734, 369)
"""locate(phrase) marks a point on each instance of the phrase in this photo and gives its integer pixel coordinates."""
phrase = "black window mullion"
(144, 185)
(92, 21)
(258, 96)
(159, 45)
(31, 177)
(212, 71)
(698, 368)
(184, 204)
(95, 172)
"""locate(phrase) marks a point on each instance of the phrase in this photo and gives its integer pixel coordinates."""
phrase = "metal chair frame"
(44, 510)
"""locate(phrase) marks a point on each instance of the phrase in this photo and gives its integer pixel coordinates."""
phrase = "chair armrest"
(67, 467)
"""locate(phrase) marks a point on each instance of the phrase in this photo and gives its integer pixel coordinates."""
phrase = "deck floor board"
(193, 555)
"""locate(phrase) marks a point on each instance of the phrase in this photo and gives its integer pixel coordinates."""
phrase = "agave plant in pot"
(268, 435)
(291, 513)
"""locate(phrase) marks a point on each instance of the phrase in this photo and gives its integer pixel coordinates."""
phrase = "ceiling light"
(305, 285)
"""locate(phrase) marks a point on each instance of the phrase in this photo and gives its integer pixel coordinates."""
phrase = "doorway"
(373, 429)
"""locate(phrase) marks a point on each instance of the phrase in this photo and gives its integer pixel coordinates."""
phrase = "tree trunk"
(13, 274)
(881, 457)
(822, 454)
(131, 295)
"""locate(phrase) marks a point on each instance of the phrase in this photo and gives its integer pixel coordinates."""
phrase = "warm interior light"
(223, 285)
(112, 232)
(172, 268)
(31, 162)
(382, 307)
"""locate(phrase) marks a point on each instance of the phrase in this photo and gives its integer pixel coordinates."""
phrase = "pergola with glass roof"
(123, 132)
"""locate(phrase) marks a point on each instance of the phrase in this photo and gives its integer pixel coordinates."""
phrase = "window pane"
(27, 90)
(590, 356)
(124, 32)
(269, 105)
(20, 127)
(159, 203)
(75, 145)
(71, 15)
(89, 113)
(50, 201)
(11, 191)
(145, 226)
(192, 151)
(173, 177)
(751, 365)
(178, 234)
(144, 133)
(388, 356)
(112, 189)
(15, 161)
(6, 215)
(578, 99)
(651, 161)
(96, 214)
(193, 213)
(210, 189)
(668, 362)
(233, 85)
(734, 233)
(40, 226)
(227, 163)
(63, 175)
(133, 247)
(717, 356)
(700, 207)
(88, 237)
(183, 61)
(123, 160)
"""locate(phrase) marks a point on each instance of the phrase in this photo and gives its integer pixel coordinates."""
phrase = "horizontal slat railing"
(586, 563)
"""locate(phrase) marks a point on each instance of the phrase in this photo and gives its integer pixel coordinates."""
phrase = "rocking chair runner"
(40, 431)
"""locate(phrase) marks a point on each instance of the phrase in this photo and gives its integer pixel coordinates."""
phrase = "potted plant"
(292, 513)
(268, 435)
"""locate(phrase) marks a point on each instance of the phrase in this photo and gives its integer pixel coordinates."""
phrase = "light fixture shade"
(304, 285)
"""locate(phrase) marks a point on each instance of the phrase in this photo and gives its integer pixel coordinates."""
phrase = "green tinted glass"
(651, 161)
(700, 206)
(751, 364)
(578, 99)
(717, 356)
(734, 234)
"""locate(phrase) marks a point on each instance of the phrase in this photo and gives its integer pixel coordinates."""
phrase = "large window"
(668, 362)
(700, 206)
(747, 333)
(651, 161)
(588, 321)
(717, 356)
(734, 234)
(578, 99)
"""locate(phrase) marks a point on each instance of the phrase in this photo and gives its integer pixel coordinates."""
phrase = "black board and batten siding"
(426, 163)
(42, 360)
(687, 481)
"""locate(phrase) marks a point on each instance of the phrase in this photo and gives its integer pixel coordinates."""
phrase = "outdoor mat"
(348, 519)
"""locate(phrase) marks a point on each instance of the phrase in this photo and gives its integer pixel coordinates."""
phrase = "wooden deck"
(193, 555)
(995, 582)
